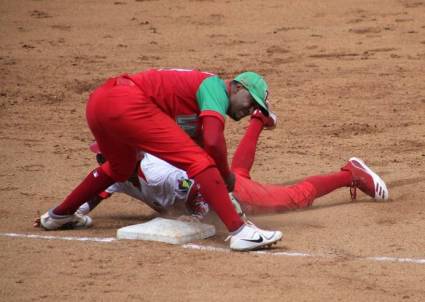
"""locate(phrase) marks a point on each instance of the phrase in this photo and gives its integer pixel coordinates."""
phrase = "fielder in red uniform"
(158, 111)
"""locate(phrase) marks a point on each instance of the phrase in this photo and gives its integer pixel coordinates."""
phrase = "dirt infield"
(346, 79)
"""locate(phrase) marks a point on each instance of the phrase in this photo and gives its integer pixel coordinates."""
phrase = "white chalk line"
(35, 236)
(397, 259)
(299, 254)
(218, 249)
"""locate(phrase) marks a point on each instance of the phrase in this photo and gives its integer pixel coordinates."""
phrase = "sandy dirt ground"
(346, 79)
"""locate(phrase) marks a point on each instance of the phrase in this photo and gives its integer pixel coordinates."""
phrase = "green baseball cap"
(257, 87)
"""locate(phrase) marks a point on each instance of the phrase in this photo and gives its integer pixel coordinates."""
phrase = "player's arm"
(215, 145)
(213, 103)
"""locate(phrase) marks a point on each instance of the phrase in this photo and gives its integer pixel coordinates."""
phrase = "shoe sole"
(260, 247)
(380, 188)
(71, 225)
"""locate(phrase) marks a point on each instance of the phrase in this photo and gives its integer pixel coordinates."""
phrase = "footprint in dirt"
(27, 46)
(32, 168)
(148, 59)
(10, 61)
(61, 27)
(352, 129)
(372, 52)
(39, 14)
(386, 221)
(365, 30)
(81, 87)
(8, 188)
(413, 4)
(336, 55)
(402, 20)
(234, 42)
(276, 49)
(216, 36)
(284, 29)
(356, 20)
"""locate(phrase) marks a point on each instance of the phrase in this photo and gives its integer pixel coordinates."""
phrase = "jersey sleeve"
(212, 97)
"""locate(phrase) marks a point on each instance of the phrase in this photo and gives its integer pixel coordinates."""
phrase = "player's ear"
(238, 86)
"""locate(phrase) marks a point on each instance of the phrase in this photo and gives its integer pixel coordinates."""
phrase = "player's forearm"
(215, 143)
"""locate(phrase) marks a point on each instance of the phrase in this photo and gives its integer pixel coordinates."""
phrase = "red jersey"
(185, 95)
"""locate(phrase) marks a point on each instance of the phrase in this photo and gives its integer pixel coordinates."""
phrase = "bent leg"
(244, 156)
(104, 109)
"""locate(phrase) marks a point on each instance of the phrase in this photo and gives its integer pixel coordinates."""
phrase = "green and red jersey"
(185, 95)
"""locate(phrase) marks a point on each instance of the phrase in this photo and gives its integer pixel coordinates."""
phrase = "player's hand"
(269, 122)
(37, 223)
(230, 182)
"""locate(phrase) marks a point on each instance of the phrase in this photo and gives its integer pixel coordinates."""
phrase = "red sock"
(325, 184)
(215, 193)
(244, 156)
(93, 184)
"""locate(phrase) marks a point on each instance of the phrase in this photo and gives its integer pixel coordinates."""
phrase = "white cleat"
(51, 221)
(248, 237)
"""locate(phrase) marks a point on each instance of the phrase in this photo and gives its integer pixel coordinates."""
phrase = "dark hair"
(100, 158)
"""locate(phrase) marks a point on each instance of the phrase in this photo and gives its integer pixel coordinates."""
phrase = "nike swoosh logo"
(259, 240)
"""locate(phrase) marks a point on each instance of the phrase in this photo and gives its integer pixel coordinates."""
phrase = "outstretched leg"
(256, 198)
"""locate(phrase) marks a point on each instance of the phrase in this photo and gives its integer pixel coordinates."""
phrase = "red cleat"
(366, 180)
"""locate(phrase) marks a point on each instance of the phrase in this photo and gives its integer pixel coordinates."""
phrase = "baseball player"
(163, 186)
(162, 111)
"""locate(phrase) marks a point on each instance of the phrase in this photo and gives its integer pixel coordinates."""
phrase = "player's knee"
(119, 173)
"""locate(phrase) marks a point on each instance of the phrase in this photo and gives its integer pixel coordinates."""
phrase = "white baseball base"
(167, 230)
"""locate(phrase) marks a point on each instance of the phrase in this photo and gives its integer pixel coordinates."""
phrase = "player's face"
(241, 103)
